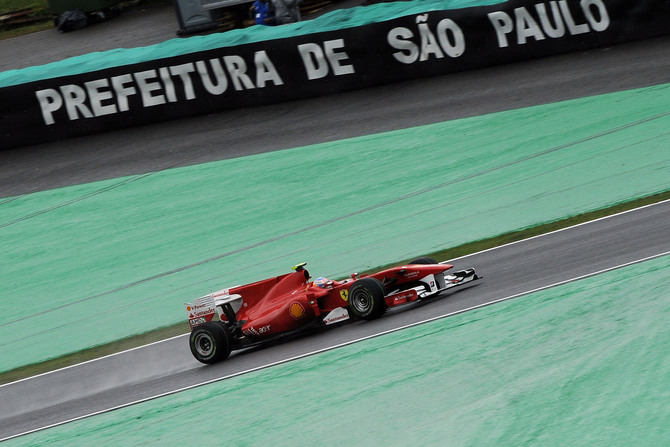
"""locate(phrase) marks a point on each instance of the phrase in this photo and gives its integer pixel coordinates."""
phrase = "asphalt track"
(168, 366)
(164, 367)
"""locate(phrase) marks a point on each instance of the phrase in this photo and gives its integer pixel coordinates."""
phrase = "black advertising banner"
(429, 44)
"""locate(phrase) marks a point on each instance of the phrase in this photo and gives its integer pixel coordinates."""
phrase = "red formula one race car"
(290, 303)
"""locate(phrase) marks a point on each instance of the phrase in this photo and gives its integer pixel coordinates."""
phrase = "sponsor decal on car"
(260, 331)
(197, 321)
(337, 314)
(402, 298)
(200, 311)
(296, 310)
(223, 292)
(201, 307)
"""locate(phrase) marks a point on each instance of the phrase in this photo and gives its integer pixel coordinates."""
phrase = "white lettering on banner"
(448, 39)
(184, 71)
(527, 25)
(318, 62)
(75, 99)
(265, 70)
(50, 101)
(237, 69)
(108, 96)
(170, 92)
(215, 86)
(144, 80)
(98, 92)
(123, 92)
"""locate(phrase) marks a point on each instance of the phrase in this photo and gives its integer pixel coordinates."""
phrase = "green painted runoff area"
(582, 364)
(335, 20)
(89, 264)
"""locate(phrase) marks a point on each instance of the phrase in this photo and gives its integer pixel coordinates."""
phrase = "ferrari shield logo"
(345, 295)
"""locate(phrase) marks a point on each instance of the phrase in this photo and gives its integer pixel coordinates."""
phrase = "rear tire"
(424, 261)
(366, 299)
(210, 342)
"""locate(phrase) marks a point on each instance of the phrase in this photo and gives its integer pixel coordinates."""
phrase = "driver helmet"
(321, 282)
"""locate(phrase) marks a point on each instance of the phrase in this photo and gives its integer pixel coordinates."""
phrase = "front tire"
(210, 342)
(366, 299)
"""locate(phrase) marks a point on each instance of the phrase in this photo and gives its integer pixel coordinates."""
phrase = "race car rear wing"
(204, 308)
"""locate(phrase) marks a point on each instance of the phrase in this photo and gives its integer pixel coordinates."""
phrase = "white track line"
(318, 351)
(443, 262)
(279, 362)
(91, 361)
(559, 230)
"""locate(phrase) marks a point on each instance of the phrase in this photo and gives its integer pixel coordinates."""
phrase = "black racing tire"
(366, 299)
(210, 342)
(424, 260)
